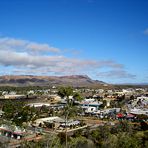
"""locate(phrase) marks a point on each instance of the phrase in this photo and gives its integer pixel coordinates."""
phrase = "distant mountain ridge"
(30, 80)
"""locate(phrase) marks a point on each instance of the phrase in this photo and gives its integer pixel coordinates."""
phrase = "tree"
(18, 112)
(142, 117)
(77, 97)
(144, 126)
(112, 104)
(65, 92)
(104, 104)
(12, 109)
(80, 142)
(125, 126)
(44, 109)
(127, 141)
(111, 142)
(99, 135)
(96, 137)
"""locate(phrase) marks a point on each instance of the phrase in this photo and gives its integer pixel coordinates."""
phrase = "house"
(42, 122)
(130, 116)
(90, 105)
(38, 105)
(70, 123)
(14, 96)
(120, 116)
(142, 100)
(12, 131)
(110, 110)
(137, 111)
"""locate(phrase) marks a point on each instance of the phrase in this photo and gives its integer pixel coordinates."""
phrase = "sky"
(104, 39)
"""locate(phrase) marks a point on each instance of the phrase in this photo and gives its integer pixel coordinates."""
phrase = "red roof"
(12, 131)
(130, 116)
(120, 115)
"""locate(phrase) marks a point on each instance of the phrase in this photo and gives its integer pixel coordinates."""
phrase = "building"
(14, 96)
(90, 105)
(11, 131)
(38, 104)
(44, 121)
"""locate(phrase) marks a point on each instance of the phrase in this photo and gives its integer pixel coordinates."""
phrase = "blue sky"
(104, 39)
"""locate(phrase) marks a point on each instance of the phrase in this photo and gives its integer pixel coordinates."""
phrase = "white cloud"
(18, 57)
(11, 43)
(116, 74)
(57, 63)
(41, 47)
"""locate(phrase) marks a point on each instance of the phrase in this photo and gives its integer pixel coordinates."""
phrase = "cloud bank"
(13, 44)
(27, 57)
(116, 74)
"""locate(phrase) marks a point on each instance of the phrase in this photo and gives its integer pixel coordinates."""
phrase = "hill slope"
(28, 80)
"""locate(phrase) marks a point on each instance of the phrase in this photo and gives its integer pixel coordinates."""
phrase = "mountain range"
(30, 80)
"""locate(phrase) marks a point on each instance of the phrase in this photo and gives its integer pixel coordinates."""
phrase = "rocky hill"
(29, 80)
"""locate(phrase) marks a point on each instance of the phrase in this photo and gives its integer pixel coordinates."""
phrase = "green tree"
(100, 135)
(104, 104)
(80, 142)
(65, 92)
(127, 141)
(77, 97)
(18, 112)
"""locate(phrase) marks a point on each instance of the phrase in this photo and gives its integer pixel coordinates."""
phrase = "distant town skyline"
(106, 40)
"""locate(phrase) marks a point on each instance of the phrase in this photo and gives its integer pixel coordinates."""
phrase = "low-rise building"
(12, 131)
(137, 111)
(38, 104)
(14, 96)
(43, 121)
(90, 105)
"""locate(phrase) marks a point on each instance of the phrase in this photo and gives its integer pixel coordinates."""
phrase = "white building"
(42, 121)
(90, 105)
(39, 104)
(139, 111)
(14, 96)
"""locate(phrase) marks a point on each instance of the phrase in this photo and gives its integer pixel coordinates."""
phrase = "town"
(73, 74)
(73, 117)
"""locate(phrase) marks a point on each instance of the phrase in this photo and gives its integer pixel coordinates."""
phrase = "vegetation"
(18, 112)
(103, 137)
(69, 110)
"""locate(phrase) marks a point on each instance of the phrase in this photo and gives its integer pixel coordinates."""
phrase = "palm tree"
(65, 92)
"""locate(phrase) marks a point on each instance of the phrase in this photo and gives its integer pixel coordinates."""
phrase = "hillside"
(28, 80)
